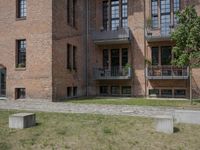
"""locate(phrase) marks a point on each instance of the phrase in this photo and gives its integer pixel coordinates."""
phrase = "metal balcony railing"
(167, 72)
(120, 36)
(155, 35)
(115, 73)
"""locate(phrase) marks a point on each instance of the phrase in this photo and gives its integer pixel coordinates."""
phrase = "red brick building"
(58, 49)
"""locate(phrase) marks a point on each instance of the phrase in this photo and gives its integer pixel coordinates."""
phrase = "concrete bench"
(22, 120)
(164, 124)
(187, 116)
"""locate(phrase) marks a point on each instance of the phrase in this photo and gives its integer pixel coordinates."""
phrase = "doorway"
(115, 62)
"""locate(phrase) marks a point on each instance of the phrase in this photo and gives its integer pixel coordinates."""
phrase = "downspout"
(87, 46)
(145, 73)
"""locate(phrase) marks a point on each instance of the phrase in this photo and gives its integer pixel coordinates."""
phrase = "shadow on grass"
(176, 130)
(38, 124)
(196, 101)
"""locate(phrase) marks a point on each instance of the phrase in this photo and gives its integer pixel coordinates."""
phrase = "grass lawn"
(138, 102)
(95, 132)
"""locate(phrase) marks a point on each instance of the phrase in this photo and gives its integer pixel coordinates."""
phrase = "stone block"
(22, 120)
(164, 124)
(187, 116)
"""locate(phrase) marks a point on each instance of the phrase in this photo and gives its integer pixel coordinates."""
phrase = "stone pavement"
(63, 107)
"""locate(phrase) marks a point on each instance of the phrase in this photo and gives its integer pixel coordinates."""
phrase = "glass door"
(115, 62)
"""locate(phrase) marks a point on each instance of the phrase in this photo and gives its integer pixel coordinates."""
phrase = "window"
(69, 91)
(165, 10)
(20, 93)
(21, 9)
(154, 13)
(176, 8)
(103, 90)
(105, 15)
(124, 57)
(126, 90)
(118, 10)
(115, 90)
(155, 55)
(75, 91)
(166, 55)
(21, 54)
(69, 57)
(124, 13)
(71, 12)
(153, 92)
(115, 62)
(74, 57)
(180, 93)
(105, 58)
(166, 92)
(165, 17)
(115, 14)
(2, 82)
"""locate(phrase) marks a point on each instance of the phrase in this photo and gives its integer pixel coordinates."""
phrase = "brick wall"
(37, 30)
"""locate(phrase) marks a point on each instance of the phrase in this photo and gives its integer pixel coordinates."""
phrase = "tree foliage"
(187, 38)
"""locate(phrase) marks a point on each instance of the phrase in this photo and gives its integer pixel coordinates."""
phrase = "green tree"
(187, 40)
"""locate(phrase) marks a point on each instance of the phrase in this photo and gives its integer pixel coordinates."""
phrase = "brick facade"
(47, 32)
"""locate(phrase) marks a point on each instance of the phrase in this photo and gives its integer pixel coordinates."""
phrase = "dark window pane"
(71, 12)
(69, 91)
(75, 91)
(124, 56)
(166, 55)
(154, 92)
(74, 57)
(20, 93)
(155, 55)
(115, 90)
(21, 53)
(2, 82)
(104, 90)
(166, 93)
(181, 93)
(115, 62)
(105, 58)
(126, 90)
(105, 15)
(69, 65)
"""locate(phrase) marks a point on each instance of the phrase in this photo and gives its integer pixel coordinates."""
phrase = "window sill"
(21, 19)
(20, 69)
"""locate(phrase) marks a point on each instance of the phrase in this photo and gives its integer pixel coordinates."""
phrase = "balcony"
(157, 36)
(115, 73)
(167, 72)
(120, 36)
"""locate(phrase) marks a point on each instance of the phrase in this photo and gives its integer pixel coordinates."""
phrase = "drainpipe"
(87, 44)
(145, 49)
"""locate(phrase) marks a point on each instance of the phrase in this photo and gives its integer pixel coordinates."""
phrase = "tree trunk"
(190, 68)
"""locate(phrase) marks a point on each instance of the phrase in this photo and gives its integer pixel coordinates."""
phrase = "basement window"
(115, 90)
(69, 91)
(75, 91)
(180, 93)
(104, 90)
(153, 92)
(166, 93)
(126, 90)
(20, 93)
